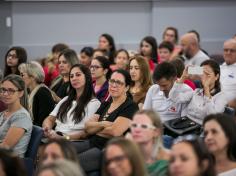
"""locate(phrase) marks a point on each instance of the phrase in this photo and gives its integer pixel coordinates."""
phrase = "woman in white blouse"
(71, 113)
(203, 101)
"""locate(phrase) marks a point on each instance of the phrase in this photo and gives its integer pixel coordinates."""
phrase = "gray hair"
(33, 69)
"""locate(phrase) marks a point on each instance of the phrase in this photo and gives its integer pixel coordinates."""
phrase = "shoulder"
(154, 88)
(94, 101)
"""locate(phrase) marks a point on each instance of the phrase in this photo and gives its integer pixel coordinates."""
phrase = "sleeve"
(216, 104)
(21, 120)
(93, 106)
(56, 109)
(129, 110)
(44, 103)
(148, 100)
(180, 93)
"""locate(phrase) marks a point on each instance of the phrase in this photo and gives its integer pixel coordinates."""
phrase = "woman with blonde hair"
(146, 131)
(141, 77)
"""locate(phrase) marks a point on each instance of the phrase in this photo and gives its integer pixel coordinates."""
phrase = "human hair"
(164, 70)
(11, 163)
(145, 76)
(175, 30)
(68, 150)
(87, 51)
(70, 56)
(112, 45)
(126, 75)
(82, 101)
(195, 33)
(62, 168)
(167, 45)
(21, 54)
(17, 81)
(216, 69)
(105, 63)
(179, 65)
(122, 50)
(33, 69)
(201, 152)
(131, 151)
(228, 125)
(59, 47)
(151, 41)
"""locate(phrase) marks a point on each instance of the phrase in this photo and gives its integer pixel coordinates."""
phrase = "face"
(146, 49)
(215, 138)
(208, 74)
(134, 70)
(96, 69)
(166, 85)
(9, 93)
(122, 60)
(27, 79)
(97, 53)
(117, 164)
(103, 43)
(52, 153)
(185, 47)
(85, 59)
(117, 86)
(164, 54)
(142, 129)
(184, 161)
(64, 66)
(230, 52)
(46, 173)
(77, 78)
(169, 36)
(12, 60)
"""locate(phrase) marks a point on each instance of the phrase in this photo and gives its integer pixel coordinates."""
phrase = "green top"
(158, 168)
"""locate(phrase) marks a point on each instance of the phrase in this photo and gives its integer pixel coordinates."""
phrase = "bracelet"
(67, 137)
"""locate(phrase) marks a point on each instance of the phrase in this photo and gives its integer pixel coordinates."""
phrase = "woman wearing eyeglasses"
(14, 57)
(220, 139)
(15, 121)
(190, 157)
(146, 131)
(123, 158)
(111, 120)
(100, 71)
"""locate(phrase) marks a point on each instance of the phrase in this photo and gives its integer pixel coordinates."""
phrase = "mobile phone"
(195, 70)
(59, 133)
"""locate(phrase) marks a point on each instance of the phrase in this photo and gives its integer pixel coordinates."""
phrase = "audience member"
(71, 113)
(146, 131)
(86, 55)
(111, 120)
(106, 42)
(100, 52)
(2, 104)
(220, 139)
(141, 79)
(66, 59)
(190, 157)
(121, 60)
(123, 158)
(11, 164)
(203, 101)
(51, 69)
(157, 97)
(100, 71)
(165, 51)
(13, 58)
(191, 50)
(15, 121)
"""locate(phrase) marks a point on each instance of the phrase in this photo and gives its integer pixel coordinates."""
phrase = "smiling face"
(77, 78)
(164, 54)
(117, 163)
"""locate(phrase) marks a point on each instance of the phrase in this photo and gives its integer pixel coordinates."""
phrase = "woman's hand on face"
(206, 79)
(184, 75)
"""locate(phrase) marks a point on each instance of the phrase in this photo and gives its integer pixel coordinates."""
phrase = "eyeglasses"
(143, 126)
(189, 137)
(226, 50)
(116, 159)
(95, 67)
(9, 91)
(12, 56)
(116, 82)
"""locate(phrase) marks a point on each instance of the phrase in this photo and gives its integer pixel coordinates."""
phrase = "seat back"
(35, 139)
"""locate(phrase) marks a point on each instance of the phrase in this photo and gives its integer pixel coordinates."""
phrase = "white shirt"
(69, 125)
(197, 59)
(165, 107)
(199, 105)
(228, 80)
(231, 172)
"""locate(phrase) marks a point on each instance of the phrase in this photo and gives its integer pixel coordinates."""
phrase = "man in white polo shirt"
(157, 97)
(228, 70)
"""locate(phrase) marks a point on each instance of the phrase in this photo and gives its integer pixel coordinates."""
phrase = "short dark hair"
(179, 65)
(59, 47)
(196, 33)
(228, 125)
(126, 75)
(87, 50)
(164, 70)
(167, 45)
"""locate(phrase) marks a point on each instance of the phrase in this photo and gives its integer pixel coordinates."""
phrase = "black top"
(61, 88)
(127, 110)
(43, 104)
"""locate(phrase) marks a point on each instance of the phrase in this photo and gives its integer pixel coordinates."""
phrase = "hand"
(184, 75)
(54, 135)
(46, 131)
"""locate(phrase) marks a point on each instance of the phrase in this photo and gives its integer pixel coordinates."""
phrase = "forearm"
(94, 127)
(78, 135)
(49, 122)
